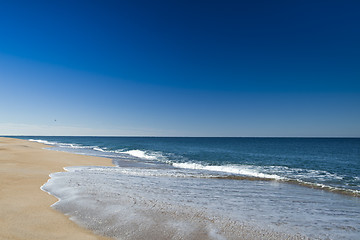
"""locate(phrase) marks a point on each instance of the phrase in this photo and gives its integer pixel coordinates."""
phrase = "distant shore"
(25, 211)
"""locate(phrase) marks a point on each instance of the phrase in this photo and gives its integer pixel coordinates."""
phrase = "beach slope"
(25, 211)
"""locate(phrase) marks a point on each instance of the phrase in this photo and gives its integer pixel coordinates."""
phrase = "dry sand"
(25, 211)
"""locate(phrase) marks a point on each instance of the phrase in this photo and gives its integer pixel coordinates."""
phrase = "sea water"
(212, 188)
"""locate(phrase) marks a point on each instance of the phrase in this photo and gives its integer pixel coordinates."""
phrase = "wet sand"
(25, 211)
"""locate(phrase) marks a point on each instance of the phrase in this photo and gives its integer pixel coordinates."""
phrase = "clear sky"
(180, 68)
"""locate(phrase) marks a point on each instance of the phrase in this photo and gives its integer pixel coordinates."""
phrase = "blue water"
(333, 162)
(305, 187)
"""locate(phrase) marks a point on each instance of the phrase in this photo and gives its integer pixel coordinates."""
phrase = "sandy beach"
(25, 211)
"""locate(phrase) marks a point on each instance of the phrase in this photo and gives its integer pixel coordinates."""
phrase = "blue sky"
(180, 68)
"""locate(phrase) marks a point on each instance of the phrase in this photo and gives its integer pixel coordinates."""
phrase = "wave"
(234, 169)
(67, 145)
(350, 192)
(88, 149)
(300, 177)
(172, 173)
(270, 172)
(102, 196)
(301, 173)
(143, 154)
(318, 179)
(75, 146)
(43, 141)
(99, 149)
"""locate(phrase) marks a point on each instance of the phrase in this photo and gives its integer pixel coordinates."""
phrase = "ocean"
(212, 188)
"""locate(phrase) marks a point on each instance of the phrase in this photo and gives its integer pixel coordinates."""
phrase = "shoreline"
(25, 211)
(148, 202)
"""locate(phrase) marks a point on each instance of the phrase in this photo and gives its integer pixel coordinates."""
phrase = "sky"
(180, 68)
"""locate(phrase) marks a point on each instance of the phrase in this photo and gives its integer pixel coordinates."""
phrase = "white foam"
(300, 173)
(99, 149)
(43, 141)
(134, 202)
(123, 204)
(173, 173)
(234, 169)
(141, 154)
(75, 146)
(66, 145)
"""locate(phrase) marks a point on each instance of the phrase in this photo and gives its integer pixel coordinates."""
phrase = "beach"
(162, 188)
(179, 120)
(25, 211)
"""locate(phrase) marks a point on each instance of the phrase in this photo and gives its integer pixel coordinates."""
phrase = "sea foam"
(167, 188)
(121, 203)
(234, 169)
(43, 141)
(135, 203)
(142, 154)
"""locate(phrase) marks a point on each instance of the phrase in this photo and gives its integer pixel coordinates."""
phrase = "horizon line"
(179, 136)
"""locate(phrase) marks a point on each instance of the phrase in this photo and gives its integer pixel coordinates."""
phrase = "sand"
(25, 211)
